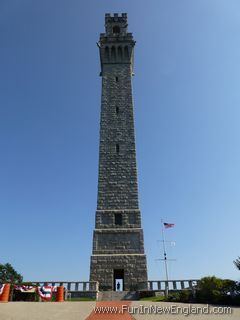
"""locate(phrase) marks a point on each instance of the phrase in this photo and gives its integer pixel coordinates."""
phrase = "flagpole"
(165, 258)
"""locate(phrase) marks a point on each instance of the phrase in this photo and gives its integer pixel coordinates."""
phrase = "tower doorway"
(118, 279)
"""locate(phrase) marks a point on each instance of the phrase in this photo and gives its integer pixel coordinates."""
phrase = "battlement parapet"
(116, 15)
(116, 24)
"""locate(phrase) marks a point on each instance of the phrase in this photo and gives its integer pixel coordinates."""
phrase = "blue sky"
(187, 98)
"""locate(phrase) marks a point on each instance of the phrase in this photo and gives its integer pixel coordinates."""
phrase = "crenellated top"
(116, 24)
(116, 44)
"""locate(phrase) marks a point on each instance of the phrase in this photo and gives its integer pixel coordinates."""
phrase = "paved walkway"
(171, 311)
(120, 307)
(45, 310)
(84, 311)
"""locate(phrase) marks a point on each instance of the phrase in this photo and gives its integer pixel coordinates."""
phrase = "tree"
(9, 275)
(237, 263)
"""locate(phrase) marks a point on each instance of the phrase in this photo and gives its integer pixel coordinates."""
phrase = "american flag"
(168, 225)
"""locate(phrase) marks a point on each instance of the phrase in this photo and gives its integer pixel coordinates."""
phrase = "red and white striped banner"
(1, 288)
(45, 292)
(23, 288)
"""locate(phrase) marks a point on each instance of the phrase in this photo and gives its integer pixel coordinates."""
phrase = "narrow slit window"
(116, 78)
(117, 110)
(118, 219)
(117, 148)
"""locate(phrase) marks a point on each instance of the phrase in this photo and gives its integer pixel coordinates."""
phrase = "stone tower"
(118, 248)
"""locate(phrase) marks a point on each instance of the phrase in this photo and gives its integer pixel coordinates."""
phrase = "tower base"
(128, 269)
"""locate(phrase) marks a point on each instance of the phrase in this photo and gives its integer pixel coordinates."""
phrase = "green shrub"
(215, 290)
(186, 296)
(174, 297)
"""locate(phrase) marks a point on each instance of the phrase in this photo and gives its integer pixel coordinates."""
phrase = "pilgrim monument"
(118, 247)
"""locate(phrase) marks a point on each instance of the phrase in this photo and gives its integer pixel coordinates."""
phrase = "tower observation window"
(118, 219)
(116, 29)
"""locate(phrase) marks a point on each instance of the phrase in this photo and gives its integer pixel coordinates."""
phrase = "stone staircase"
(117, 295)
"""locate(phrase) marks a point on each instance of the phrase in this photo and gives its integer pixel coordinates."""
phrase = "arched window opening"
(126, 52)
(120, 53)
(107, 53)
(116, 79)
(116, 29)
(113, 54)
